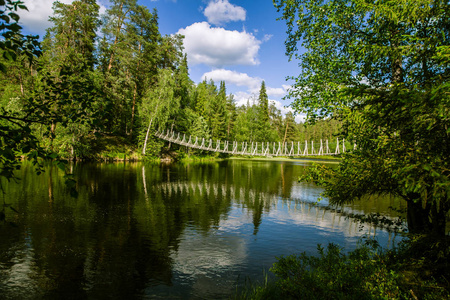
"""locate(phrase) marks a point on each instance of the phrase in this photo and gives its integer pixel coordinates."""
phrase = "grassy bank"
(327, 159)
(418, 268)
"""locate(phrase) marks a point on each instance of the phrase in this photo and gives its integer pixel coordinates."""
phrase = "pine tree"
(143, 33)
(230, 116)
(219, 113)
(201, 99)
(67, 71)
(118, 54)
(184, 90)
(263, 114)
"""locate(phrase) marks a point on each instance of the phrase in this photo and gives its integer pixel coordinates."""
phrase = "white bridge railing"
(256, 148)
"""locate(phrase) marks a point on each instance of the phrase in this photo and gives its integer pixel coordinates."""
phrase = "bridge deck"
(255, 149)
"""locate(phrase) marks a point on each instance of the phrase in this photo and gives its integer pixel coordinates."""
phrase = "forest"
(376, 73)
(98, 87)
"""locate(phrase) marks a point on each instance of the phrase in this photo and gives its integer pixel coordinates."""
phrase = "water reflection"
(173, 231)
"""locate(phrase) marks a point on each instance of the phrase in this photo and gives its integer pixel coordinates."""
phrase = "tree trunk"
(438, 218)
(21, 84)
(133, 107)
(171, 129)
(396, 59)
(417, 217)
(52, 134)
(146, 136)
(285, 134)
(148, 129)
(426, 220)
(116, 39)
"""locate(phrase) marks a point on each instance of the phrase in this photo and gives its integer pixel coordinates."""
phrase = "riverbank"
(327, 159)
(130, 154)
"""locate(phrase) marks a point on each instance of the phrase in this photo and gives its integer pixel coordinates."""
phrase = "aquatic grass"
(196, 158)
(257, 290)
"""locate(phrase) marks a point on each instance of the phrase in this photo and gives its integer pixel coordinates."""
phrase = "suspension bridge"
(256, 148)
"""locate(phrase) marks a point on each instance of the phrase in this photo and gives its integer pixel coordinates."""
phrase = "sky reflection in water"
(178, 231)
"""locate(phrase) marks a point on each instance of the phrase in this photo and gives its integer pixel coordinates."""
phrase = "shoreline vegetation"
(417, 268)
(135, 156)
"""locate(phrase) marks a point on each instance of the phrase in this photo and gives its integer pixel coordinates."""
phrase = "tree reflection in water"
(182, 230)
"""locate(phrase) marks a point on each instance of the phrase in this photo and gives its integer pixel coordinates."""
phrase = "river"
(175, 231)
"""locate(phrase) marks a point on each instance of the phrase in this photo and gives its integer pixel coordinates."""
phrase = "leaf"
(5, 18)
(53, 155)
(61, 166)
(14, 16)
(74, 193)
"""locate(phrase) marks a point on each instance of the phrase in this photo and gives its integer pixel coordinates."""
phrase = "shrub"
(417, 269)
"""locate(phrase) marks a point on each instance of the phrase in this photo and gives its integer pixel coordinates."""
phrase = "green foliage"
(129, 55)
(383, 70)
(219, 114)
(200, 129)
(418, 268)
(361, 274)
(263, 114)
(13, 43)
(83, 90)
(246, 128)
(69, 43)
(16, 135)
(153, 148)
(159, 104)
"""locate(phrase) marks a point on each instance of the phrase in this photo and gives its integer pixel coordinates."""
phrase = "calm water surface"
(181, 231)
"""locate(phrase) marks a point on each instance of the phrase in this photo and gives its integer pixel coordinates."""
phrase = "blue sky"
(238, 41)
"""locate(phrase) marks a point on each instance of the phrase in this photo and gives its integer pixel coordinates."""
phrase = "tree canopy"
(383, 68)
(16, 135)
(80, 95)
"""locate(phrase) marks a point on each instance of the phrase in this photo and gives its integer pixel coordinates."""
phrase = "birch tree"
(159, 104)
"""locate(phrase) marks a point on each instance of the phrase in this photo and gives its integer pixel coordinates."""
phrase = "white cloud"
(286, 87)
(253, 85)
(284, 109)
(276, 92)
(242, 98)
(35, 20)
(219, 47)
(267, 37)
(233, 77)
(219, 12)
(242, 79)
